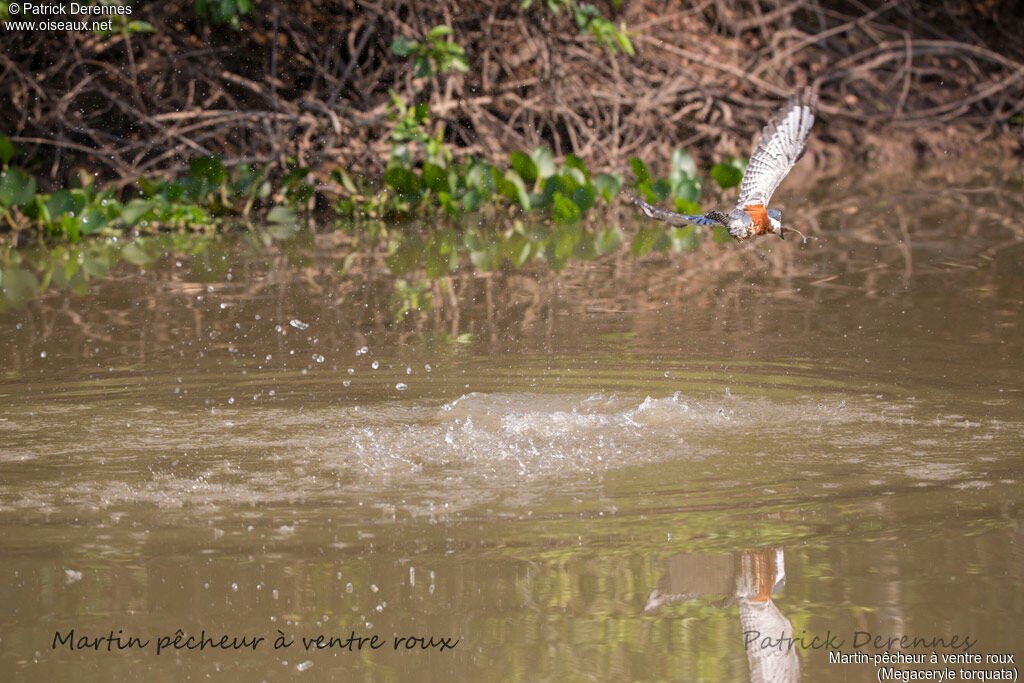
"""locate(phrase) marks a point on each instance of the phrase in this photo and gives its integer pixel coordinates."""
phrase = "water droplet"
(42, 354)
(231, 401)
(346, 383)
(375, 364)
(401, 386)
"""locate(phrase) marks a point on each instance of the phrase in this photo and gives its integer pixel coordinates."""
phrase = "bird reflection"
(747, 579)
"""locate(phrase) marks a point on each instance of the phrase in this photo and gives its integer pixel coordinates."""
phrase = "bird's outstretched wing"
(670, 217)
(780, 146)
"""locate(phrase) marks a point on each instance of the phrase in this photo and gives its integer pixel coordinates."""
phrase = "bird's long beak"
(783, 230)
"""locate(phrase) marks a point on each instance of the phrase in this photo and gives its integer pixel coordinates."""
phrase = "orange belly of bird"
(759, 215)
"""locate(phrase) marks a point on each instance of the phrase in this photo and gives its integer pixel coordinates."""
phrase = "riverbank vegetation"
(494, 131)
(385, 108)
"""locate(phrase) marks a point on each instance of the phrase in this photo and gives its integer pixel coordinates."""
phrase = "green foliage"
(124, 26)
(590, 20)
(208, 197)
(729, 174)
(608, 35)
(223, 11)
(25, 273)
(433, 54)
(408, 297)
(16, 187)
(6, 150)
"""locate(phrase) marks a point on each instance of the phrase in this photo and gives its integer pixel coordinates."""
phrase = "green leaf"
(517, 248)
(92, 220)
(685, 238)
(644, 240)
(16, 187)
(662, 242)
(435, 178)
(6, 150)
(63, 202)
(573, 161)
(403, 47)
(440, 252)
(687, 207)
(683, 163)
(585, 248)
(575, 175)
(544, 160)
(209, 169)
(660, 189)
(135, 254)
(639, 170)
(17, 286)
(345, 180)
(134, 210)
(472, 200)
(583, 197)
(608, 185)
(403, 181)
(688, 190)
(561, 244)
(481, 177)
(608, 240)
(438, 31)
(726, 175)
(421, 67)
(524, 166)
(563, 209)
(95, 263)
(295, 175)
(512, 186)
(721, 235)
(281, 215)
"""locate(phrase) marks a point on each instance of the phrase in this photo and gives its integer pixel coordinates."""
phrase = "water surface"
(619, 471)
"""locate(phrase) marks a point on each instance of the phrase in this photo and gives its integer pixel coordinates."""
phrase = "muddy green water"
(631, 470)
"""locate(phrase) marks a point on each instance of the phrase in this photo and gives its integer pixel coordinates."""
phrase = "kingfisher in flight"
(781, 145)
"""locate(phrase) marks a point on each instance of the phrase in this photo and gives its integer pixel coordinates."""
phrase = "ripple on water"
(480, 446)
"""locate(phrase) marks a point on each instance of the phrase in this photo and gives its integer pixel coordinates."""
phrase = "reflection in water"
(747, 579)
(767, 634)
